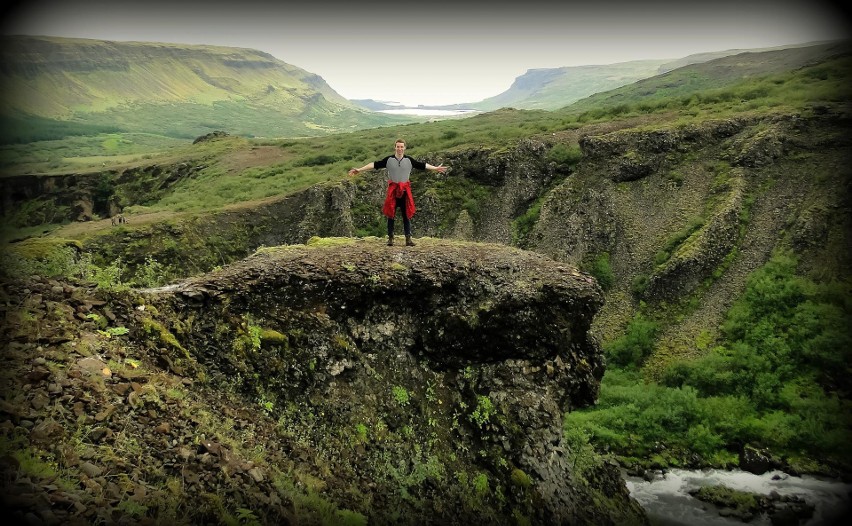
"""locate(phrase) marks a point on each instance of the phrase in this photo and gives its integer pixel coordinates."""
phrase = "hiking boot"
(408, 241)
(390, 241)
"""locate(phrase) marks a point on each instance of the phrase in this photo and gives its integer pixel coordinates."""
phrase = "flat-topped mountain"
(169, 89)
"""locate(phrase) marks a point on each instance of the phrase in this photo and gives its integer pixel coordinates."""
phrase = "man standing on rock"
(399, 195)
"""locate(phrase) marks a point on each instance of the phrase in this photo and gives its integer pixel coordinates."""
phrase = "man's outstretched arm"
(440, 168)
(368, 166)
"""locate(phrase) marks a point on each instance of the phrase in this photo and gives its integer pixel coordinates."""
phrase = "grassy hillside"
(789, 80)
(550, 89)
(699, 58)
(555, 88)
(733, 85)
(166, 89)
(730, 82)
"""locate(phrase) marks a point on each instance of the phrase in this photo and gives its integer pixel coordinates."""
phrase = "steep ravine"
(684, 213)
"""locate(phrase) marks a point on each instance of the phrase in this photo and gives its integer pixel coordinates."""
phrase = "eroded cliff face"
(429, 380)
(685, 213)
(309, 384)
(30, 200)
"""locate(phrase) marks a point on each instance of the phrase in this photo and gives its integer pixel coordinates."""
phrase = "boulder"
(456, 361)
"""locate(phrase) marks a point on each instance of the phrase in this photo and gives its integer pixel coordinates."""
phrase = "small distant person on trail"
(399, 195)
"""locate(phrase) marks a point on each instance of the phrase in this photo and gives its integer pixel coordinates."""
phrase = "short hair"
(399, 141)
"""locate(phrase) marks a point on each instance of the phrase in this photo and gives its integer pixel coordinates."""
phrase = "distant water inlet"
(428, 112)
(668, 502)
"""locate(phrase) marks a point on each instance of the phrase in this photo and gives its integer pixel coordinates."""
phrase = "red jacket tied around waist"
(395, 191)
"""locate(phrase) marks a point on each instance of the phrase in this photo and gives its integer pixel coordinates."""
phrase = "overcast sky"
(434, 51)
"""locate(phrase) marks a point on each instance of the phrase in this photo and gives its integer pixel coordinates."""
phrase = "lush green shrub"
(523, 224)
(150, 274)
(565, 155)
(778, 380)
(783, 328)
(639, 285)
(581, 453)
(787, 343)
(635, 345)
(633, 416)
(61, 261)
(712, 374)
(602, 271)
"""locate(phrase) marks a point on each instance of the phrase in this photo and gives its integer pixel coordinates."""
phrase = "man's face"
(400, 148)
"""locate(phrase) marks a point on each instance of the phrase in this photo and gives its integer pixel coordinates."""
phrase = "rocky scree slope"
(686, 212)
(410, 385)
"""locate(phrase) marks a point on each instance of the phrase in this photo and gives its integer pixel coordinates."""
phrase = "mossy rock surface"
(411, 369)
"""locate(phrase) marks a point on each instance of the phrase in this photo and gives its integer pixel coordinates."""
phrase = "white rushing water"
(667, 500)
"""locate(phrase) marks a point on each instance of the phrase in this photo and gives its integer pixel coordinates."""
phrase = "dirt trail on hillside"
(84, 228)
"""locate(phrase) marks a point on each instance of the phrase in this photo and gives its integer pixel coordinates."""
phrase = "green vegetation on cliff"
(776, 380)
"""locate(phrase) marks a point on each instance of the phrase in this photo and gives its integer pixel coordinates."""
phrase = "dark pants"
(406, 223)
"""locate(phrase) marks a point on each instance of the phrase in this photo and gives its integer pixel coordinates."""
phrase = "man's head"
(399, 147)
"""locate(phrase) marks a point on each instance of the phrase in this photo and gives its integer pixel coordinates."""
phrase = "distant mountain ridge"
(698, 58)
(152, 87)
(555, 88)
(185, 91)
(104, 74)
(716, 74)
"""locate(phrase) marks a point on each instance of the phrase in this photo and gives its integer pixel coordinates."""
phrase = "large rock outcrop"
(431, 378)
(338, 382)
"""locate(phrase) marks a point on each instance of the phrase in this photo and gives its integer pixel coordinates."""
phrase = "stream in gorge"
(667, 501)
